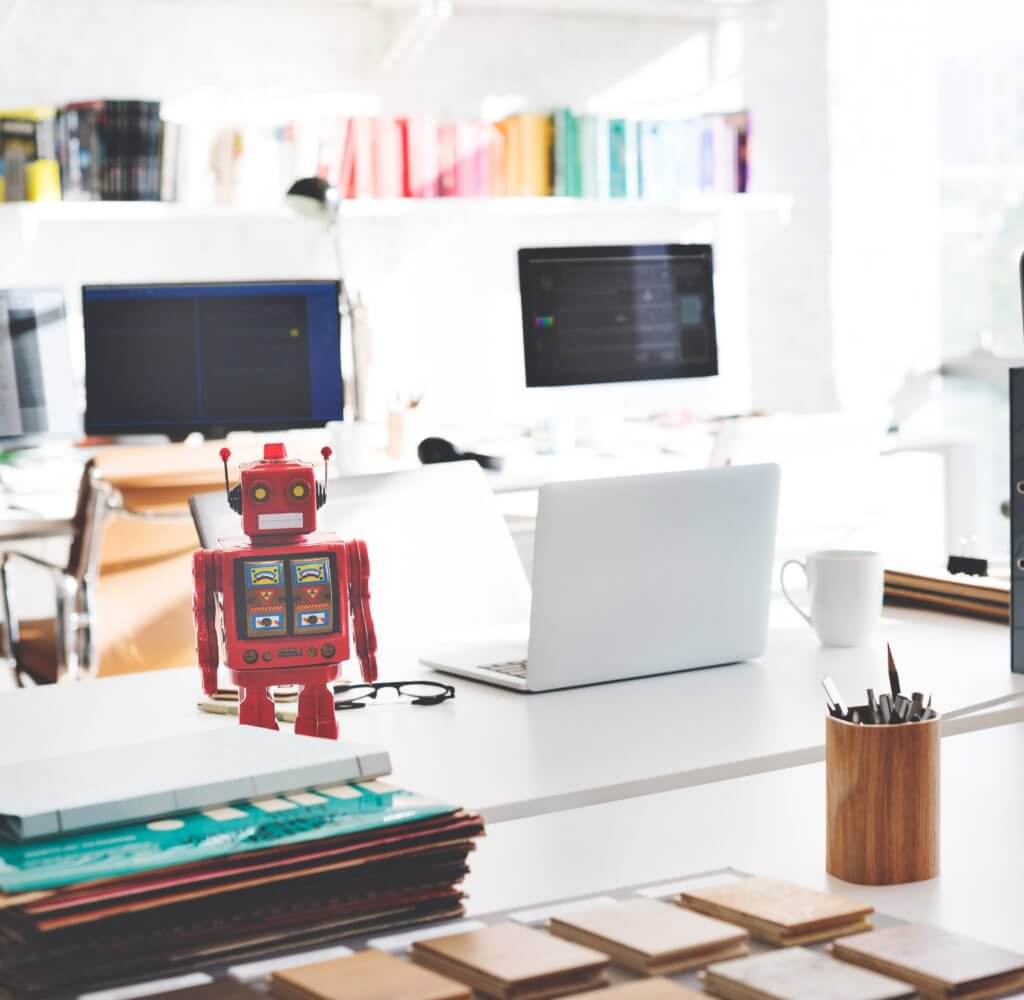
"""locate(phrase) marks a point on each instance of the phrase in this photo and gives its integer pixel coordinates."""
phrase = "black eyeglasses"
(421, 692)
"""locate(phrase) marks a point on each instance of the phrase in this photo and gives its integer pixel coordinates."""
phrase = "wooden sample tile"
(514, 962)
(779, 912)
(938, 963)
(370, 975)
(654, 988)
(652, 937)
(798, 974)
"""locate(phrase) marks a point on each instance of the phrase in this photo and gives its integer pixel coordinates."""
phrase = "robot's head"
(276, 496)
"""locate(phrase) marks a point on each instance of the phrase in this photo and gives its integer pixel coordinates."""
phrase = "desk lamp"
(315, 198)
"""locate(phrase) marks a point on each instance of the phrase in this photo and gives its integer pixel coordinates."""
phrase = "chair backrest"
(442, 559)
(87, 522)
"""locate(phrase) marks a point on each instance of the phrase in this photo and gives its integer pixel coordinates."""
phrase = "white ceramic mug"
(845, 591)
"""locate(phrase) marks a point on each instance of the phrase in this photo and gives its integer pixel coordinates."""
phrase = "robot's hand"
(209, 681)
(368, 666)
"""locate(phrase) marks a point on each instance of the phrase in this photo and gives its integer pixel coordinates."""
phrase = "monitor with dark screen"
(617, 313)
(173, 359)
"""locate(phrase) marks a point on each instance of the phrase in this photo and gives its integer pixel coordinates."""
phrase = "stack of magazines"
(229, 883)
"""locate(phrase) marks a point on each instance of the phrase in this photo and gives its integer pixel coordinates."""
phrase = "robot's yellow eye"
(260, 493)
(299, 491)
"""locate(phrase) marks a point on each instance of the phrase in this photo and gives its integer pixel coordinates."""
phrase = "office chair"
(60, 649)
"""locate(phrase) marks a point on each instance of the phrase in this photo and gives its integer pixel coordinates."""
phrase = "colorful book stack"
(535, 155)
(226, 885)
(984, 597)
(116, 151)
(28, 155)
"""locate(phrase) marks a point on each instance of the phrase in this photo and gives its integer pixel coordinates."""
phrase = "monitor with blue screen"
(212, 357)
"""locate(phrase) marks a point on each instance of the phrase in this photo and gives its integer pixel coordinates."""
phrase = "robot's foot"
(316, 712)
(256, 708)
(324, 728)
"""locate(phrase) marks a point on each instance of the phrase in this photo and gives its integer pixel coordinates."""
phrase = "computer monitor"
(605, 314)
(212, 357)
(37, 386)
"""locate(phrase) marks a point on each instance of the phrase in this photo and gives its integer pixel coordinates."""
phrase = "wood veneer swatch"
(652, 937)
(370, 975)
(779, 912)
(938, 963)
(654, 988)
(798, 974)
(513, 962)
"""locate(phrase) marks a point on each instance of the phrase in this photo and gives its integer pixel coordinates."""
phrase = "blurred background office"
(855, 165)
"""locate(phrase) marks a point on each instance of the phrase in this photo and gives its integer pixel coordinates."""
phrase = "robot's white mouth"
(270, 521)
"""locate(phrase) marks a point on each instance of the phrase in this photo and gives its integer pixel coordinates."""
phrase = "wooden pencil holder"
(883, 801)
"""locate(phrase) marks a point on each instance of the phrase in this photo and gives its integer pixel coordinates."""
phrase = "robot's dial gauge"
(260, 492)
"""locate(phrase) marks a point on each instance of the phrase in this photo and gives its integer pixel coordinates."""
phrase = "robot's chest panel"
(278, 596)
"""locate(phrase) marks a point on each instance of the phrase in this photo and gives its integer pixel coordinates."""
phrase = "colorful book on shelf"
(388, 168)
(422, 167)
(739, 121)
(331, 151)
(984, 597)
(561, 168)
(529, 140)
(471, 160)
(358, 161)
(28, 155)
(590, 156)
(657, 161)
(512, 134)
(623, 160)
(497, 162)
(447, 158)
(111, 150)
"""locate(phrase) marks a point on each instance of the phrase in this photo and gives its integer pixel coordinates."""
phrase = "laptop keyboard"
(513, 668)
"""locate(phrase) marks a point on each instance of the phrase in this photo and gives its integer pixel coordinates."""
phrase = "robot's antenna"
(326, 452)
(225, 454)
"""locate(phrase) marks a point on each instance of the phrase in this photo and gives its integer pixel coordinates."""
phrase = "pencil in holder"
(883, 801)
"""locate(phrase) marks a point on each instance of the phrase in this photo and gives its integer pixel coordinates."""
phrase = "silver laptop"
(636, 576)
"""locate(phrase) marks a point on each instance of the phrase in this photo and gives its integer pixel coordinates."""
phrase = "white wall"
(844, 98)
(829, 309)
(884, 205)
(791, 321)
(441, 285)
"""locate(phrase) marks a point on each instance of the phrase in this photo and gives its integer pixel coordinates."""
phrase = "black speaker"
(1017, 520)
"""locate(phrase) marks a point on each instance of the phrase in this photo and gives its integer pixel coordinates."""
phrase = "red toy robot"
(285, 595)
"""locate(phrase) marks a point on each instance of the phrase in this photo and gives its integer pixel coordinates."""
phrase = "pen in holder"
(883, 801)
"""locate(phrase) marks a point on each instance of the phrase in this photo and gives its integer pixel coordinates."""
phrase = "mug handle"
(785, 593)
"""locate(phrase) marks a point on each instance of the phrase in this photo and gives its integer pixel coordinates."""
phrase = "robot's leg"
(316, 712)
(256, 707)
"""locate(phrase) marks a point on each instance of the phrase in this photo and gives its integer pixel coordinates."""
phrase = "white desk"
(513, 755)
(774, 824)
(27, 516)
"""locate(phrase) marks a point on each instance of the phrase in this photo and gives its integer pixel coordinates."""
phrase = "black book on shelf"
(111, 150)
(81, 150)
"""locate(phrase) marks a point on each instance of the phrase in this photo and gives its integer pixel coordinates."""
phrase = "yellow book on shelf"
(511, 132)
(42, 180)
(528, 139)
(536, 150)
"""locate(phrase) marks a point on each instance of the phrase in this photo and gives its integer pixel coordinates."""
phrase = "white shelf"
(30, 214)
(673, 10)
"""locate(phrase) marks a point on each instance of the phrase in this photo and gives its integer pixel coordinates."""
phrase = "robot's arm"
(204, 610)
(359, 599)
